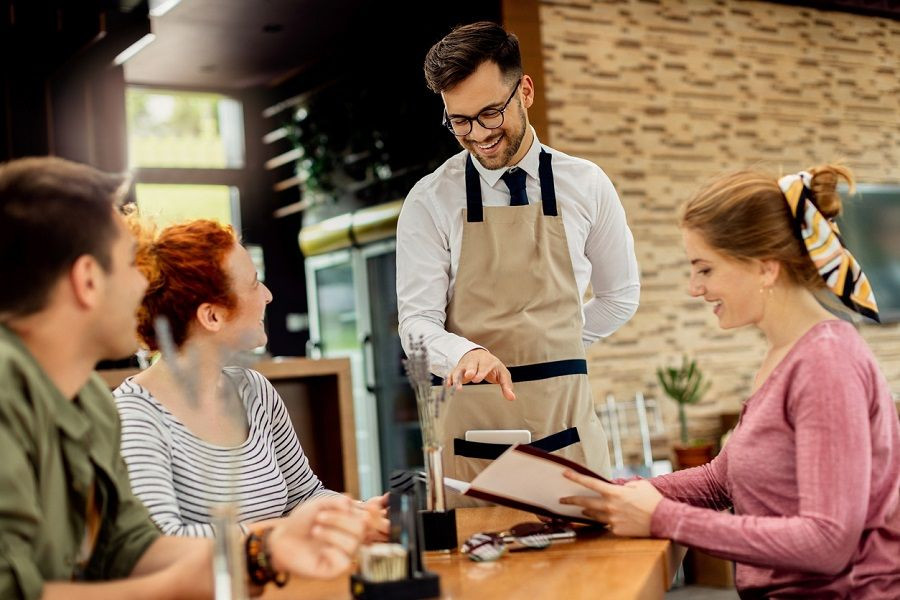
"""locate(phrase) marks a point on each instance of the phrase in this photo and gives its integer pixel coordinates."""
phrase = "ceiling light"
(133, 49)
(160, 7)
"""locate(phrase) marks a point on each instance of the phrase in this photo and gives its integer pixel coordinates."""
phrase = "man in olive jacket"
(70, 526)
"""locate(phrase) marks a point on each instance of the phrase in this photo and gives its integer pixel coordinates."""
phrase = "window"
(870, 224)
(186, 150)
(166, 204)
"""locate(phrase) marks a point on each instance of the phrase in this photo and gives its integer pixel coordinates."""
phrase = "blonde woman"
(813, 469)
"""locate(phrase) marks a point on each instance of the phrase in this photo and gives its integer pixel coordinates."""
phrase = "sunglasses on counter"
(533, 535)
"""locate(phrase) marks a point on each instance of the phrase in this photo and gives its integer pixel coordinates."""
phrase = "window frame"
(238, 178)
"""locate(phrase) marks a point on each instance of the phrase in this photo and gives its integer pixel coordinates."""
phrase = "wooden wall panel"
(665, 94)
(519, 16)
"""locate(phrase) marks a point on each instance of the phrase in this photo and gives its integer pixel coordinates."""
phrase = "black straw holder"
(404, 501)
(440, 529)
(423, 585)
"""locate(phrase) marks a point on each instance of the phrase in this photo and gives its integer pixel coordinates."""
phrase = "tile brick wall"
(665, 94)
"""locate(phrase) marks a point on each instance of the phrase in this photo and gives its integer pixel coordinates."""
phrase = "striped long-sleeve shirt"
(180, 477)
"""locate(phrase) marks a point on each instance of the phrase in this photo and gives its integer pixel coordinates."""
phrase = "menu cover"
(532, 480)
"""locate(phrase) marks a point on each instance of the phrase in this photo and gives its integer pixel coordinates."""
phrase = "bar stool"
(629, 418)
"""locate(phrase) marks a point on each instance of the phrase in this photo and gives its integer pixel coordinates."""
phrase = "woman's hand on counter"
(319, 538)
(627, 509)
(378, 527)
(480, 365)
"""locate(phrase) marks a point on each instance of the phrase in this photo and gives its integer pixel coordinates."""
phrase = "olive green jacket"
(52, 451)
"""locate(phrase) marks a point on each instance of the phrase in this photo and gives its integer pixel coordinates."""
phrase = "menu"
(529, 479)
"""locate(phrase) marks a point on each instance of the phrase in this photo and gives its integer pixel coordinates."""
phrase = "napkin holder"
(406, 530)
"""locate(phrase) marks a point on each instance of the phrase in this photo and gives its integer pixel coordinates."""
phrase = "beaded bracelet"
(259, 560)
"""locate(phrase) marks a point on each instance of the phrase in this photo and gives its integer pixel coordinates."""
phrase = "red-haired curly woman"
(193, 426)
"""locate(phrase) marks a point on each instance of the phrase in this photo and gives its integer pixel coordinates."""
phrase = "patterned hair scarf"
(841, 272)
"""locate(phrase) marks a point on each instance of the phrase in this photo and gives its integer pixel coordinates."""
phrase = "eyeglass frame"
(501, 110)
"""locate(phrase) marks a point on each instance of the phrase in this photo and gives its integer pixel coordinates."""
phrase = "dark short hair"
(52, 211)
(466, 48)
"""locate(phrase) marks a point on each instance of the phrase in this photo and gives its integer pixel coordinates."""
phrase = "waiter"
(495, 251)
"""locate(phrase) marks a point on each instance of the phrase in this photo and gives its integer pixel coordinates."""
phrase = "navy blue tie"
(515, 181)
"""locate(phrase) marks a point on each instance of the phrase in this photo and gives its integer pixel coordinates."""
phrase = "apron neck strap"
(474, 204)
(548, 190)
(475, 210)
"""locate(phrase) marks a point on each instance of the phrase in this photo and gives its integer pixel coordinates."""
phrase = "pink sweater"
(813, 474)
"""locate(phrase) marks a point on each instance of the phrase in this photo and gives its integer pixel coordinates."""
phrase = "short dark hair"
(465, 49)
(52, 211)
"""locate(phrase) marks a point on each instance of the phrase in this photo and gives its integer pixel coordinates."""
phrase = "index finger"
(592, 483)
(506, 384)
(383, 526)
(455, 376)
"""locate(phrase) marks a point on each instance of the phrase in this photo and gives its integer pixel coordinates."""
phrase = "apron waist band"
(537, 371)
(551, 443)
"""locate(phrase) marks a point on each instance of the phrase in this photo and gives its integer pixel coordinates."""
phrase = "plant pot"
(694, 455)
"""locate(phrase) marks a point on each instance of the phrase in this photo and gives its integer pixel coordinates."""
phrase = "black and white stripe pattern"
(179, 477)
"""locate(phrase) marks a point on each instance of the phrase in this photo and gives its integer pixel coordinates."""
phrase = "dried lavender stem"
(428, 402)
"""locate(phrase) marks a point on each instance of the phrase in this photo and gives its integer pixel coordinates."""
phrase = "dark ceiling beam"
(61, 93)
(872, 8)
(234, 177)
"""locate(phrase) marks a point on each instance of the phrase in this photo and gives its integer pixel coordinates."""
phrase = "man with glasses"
(496, 250)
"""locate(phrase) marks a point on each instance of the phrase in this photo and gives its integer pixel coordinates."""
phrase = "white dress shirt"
(429, 239)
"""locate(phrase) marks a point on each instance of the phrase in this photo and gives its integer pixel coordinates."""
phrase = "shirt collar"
(529, 163)
(68, 417)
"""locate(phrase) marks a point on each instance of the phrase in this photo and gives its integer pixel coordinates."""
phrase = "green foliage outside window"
(183, 130)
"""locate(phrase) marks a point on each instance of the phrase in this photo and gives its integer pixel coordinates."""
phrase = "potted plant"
(685, 385)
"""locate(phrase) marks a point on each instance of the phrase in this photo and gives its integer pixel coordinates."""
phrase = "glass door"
(399, 433)
(334, 305)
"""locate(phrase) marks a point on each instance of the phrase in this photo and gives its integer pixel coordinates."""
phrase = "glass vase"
(434, 472)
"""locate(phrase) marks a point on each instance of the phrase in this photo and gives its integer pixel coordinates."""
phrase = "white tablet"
(499, 436)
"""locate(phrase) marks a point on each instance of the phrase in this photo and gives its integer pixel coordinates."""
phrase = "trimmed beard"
(511, 149)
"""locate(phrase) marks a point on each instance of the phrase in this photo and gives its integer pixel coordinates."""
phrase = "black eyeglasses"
(490, 118)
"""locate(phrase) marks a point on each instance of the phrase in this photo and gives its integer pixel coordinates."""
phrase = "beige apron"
(515, 295)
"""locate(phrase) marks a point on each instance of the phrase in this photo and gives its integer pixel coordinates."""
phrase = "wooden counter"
(319, 398)
(596, 565)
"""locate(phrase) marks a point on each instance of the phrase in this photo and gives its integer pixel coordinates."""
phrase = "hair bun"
(825, 179)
